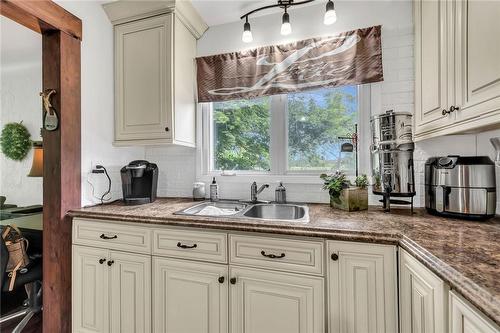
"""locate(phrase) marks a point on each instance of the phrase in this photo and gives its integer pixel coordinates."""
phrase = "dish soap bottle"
(214, 191)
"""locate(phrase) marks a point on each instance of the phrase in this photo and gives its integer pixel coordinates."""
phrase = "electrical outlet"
(94, 167)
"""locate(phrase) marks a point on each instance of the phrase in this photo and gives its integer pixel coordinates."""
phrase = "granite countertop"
(465, 254)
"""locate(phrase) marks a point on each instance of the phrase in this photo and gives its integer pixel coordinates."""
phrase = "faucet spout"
(262, 187)
(254, 191)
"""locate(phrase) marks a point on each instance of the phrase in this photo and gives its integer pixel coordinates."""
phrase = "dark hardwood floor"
(34, 325)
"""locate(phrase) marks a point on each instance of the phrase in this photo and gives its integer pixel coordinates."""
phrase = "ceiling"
(216, 12)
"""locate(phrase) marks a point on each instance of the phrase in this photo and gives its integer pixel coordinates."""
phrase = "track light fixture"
(247, 33)
(330, 14)
(286, 27)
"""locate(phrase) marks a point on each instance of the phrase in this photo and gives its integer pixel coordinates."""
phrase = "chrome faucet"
(254, 191)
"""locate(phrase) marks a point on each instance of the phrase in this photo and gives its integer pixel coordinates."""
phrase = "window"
(296, 133)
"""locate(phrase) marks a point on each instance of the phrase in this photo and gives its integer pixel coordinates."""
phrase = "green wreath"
(15, 141)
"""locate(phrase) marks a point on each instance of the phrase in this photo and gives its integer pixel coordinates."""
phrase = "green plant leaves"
(15, 141)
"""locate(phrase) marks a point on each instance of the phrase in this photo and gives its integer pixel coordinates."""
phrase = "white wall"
(395, 92)
(20, 84)
(98, 101)
(20, 102)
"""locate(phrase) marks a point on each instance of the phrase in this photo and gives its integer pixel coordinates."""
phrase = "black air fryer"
(139, 182)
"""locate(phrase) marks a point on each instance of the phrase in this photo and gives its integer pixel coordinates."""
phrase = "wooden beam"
(41, 16)
(61, 175)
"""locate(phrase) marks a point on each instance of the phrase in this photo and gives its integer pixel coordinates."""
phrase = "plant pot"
(351, 199)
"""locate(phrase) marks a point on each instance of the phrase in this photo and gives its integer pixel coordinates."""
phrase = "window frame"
(278, 148)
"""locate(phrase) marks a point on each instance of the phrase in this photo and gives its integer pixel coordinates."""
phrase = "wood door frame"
(61, 38)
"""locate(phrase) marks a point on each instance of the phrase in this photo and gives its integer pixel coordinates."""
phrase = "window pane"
(241, 135)
(315, 121)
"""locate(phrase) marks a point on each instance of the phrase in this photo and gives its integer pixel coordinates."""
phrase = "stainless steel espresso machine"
(392, 158)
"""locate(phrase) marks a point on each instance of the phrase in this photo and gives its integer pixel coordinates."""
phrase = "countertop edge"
(476, 295)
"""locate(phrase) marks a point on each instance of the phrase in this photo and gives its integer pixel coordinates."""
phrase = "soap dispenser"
(280, 194)
(214, 191)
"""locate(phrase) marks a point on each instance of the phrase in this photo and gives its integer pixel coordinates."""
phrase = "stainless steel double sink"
(238, 209)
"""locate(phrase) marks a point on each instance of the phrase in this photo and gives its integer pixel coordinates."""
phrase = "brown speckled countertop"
(465, 254)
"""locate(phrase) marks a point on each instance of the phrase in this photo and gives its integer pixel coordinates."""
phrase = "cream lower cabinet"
(189, 296)
(264, 301)
(423, 298)
(362, 288)
(464, 318)
(111, 291)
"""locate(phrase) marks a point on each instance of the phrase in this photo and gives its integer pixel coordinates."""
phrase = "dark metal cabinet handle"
(111, 262)
(167, 129)
(221, 279)
(335, 256)
(272, 256)
(444, 112)
(101, 261)
(453, 108)
(232, 280)
(183, 246)
(103, 236)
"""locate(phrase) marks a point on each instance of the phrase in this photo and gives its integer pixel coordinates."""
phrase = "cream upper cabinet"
(457, 81)
(477, 51)
(155, 48)
(263, 301)
(362, 287)
(189, 296)
(433, 64)
(464, 318)
(423, 298)
(143, 90)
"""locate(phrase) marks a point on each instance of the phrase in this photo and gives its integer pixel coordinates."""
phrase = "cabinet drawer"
(112, 236)
(291, 255)
(204, 245)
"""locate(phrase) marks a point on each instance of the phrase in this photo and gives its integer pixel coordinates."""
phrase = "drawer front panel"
(204, 245)
(111, 235)
(291, 255)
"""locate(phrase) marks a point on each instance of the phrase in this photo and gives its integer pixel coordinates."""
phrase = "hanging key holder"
(50, 118)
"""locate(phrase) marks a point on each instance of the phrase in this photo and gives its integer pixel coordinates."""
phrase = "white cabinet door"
(433, 64)
(90, 290)
(362, 286)
(477, 61)
(189, 296)
(464, 318)
(423, 298)
(143, 89)
(130, 292)
(263, 301)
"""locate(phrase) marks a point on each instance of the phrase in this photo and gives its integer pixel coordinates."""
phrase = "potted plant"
(345, 196)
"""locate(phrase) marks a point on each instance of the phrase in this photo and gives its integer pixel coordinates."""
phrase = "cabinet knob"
(167, 129)
(111, 262)
(444, 112)
(221, 279)
(101, 261)
(232, 280)
(335, 256)
(453, 108)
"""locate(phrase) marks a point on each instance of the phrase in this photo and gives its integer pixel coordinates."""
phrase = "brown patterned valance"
(349, 58)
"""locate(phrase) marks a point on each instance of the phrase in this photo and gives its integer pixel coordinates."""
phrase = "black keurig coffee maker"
(139, 182)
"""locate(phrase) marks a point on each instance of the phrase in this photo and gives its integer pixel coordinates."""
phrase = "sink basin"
(218, 208)
(238, 209)
(278, 212)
